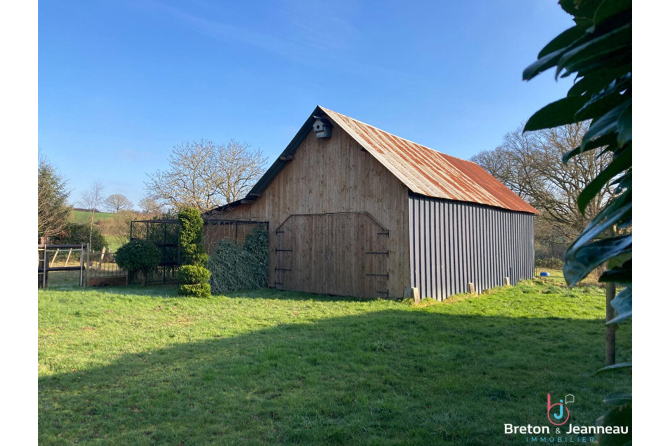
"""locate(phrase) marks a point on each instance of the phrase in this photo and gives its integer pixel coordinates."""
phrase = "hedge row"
(235, 269)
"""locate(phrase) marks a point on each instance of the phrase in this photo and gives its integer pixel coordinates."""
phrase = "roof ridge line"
(385, 131)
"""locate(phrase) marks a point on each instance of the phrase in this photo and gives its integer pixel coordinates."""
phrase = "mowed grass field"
(134, 365)
(84, 216)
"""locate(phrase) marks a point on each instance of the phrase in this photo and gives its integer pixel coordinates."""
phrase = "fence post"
(102, 256)
(88, 259)
(610, 333)
(81, 265)
(45, 267)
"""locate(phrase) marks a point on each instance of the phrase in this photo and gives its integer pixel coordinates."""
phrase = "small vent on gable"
(322, 127)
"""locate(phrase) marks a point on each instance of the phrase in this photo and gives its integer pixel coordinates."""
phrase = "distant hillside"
(82, 216)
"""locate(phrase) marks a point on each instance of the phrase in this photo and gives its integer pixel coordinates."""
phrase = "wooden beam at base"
(412, 293)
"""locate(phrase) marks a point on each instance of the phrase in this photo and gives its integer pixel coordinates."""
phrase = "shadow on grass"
(170, 290)
(390, 377)
(272, 293)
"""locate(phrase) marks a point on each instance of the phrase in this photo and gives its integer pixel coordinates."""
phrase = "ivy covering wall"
(235, 269)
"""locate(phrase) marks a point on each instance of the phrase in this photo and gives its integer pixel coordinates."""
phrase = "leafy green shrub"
(230, 271)
(138, 255)
(257, 245)
(235, 269)
(191, 274)
(76, 233)
(195, 290)
(190, 238)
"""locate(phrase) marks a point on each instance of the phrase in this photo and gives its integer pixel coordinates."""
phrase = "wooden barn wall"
(454, 243)
(329, 176)
(236, 232)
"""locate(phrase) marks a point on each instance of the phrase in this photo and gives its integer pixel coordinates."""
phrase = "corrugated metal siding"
(455, 243)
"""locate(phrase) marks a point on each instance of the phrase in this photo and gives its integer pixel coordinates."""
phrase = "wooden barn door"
(343, 254)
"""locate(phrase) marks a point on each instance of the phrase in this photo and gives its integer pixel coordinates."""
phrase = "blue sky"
(122, 82)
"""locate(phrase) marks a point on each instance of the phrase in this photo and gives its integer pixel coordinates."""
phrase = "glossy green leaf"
(562, 41)
(542, 64)
(623, 183)
(621, 365)
(617, 64)
(619, 415)
(617, 399)
(579, 262)
(609, 8)
(580, 8)
(603, 126)
(598, 49)
(623, 304)
(592, 84)
(603, 141)
(607, 99)
(569, 7)
(618, 165)
(622, 274)
(555, 114)
(625, 125)
(619, 209)
(620, 318)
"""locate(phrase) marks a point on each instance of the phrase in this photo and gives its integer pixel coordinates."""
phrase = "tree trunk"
(610, 334)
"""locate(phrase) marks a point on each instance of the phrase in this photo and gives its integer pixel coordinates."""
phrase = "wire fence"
(76, 265)
(165, 235)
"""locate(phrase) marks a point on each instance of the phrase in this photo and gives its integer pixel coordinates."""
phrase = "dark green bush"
(229, 271)
(236, 269)
(191, 274)
(257, 245)
(138, 255)
(195, 290)
(76, 233)
(190, 238)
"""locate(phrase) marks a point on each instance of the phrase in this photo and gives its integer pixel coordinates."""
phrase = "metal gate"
(343, 254)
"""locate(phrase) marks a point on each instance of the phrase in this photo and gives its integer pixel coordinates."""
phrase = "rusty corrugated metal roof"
(428, 172)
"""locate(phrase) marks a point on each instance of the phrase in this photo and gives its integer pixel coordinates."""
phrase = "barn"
(353, 210)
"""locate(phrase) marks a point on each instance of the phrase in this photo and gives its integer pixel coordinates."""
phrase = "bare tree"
(92, 199)
(150, 206)
(119, 226)
(52, 208)
(531, 165)
(118, 202)
(205, 175)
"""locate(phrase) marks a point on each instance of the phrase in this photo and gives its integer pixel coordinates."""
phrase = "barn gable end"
(330, 176)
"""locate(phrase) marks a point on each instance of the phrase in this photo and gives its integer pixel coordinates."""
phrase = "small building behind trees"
(355, 211)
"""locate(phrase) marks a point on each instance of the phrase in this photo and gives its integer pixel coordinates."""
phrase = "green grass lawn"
(142, 366)
(115, 242)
